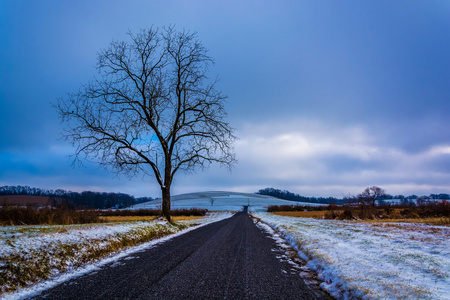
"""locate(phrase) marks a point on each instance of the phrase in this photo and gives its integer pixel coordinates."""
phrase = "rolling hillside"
(220, 201)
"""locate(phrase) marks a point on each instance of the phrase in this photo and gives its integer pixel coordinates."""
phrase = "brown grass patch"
(32, 265)
(429, 221)
(145, 218)
(302, 214)
(153, 212)
(127, 218)
(320, 214)
(185, 218)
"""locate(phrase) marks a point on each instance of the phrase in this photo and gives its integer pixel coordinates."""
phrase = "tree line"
(85, 199)
(286, 195)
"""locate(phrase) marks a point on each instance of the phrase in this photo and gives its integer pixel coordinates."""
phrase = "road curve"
(230, 259)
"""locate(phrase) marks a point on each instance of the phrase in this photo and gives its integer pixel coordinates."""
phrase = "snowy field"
(221, 201)
(371, 260)
(62, 252)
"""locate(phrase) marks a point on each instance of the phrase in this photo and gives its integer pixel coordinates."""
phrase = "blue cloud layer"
(374, 74)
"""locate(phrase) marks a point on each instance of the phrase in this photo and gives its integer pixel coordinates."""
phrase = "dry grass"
(128, 218)
(185, 218)
(24, 268)
(145, 218)
(154, 212)
(321, 214)
(430, 221)
(302, 214)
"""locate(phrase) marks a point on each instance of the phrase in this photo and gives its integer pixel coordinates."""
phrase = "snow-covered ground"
(371, 260)
(60, 249)
(221, 201)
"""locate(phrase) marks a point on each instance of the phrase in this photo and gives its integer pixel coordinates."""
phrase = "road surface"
(230, 259)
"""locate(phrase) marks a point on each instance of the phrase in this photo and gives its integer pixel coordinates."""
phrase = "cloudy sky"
(327, 97)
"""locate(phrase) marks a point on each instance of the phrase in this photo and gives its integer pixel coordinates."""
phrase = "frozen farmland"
(371, 260)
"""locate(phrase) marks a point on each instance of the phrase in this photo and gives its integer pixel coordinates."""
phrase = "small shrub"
(275, 208)
(331, 215)
(367, 213)
(347, 213)
(395, 214)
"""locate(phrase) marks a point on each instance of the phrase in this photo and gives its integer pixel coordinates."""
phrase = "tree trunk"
(166, 203)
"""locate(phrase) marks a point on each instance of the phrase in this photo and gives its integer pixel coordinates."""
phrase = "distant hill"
(220, 200)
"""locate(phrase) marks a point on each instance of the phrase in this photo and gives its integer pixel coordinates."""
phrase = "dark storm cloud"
(327, 97)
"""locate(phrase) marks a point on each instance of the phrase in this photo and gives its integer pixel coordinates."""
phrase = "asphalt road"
(230, 259)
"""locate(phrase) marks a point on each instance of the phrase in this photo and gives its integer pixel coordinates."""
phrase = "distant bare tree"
(152, 110)
(370, 195)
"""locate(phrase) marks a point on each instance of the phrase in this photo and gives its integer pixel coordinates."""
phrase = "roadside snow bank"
(31, 254)
(371, 261)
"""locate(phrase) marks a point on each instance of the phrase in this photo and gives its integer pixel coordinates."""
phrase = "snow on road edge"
(36, 289)
(371, 261)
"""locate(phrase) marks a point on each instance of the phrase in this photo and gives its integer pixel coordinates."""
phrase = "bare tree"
(370, 195)
(152, 110)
